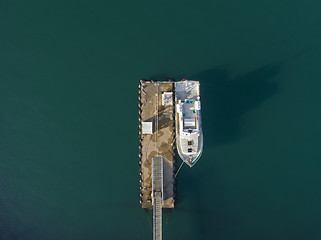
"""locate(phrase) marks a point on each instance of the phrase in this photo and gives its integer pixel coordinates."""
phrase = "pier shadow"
(209, 221)
(168, 177)
(226, 100)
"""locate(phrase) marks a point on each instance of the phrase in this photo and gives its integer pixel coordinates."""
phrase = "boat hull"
(189, 133)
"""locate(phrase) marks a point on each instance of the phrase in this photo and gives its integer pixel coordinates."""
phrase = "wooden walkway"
(157, 216)
(158, 142)
(157, 167)
(157, 174)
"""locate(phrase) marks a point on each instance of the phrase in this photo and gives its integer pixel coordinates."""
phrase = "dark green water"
(68, 124)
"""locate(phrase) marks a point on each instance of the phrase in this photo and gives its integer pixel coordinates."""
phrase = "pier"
(156, 148)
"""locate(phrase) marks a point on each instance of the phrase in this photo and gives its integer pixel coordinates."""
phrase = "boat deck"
(188, 121)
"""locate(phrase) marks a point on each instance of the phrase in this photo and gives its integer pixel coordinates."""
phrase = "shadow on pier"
(164, 120)
(225, 100)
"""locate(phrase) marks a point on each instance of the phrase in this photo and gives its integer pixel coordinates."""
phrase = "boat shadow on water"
(225, 100)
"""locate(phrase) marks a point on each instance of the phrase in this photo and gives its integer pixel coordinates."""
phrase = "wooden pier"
(156, 139)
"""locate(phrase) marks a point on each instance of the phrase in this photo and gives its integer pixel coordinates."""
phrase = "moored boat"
(189, 134)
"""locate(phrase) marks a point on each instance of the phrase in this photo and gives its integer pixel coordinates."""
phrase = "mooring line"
(178, 171)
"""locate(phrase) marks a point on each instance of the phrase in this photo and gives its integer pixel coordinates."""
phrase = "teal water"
(68, 124)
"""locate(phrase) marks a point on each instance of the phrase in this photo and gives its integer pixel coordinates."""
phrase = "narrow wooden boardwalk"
(157, 216)
(157, 176)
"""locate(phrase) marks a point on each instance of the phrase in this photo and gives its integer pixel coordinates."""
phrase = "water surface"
(69, 159)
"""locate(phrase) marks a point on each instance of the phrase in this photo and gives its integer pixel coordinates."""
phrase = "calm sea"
(68, 123)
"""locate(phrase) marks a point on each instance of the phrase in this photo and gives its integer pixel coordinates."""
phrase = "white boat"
(189, 134)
